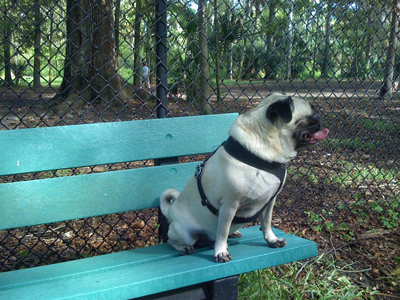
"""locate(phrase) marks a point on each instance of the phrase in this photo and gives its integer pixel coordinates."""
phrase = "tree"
(138, 41)
(289, 42)
(241, 69)
(117, 24)
(372, 28)
(387, 86)
(37, 43)
(7, 32)
(229, 30)
(216, 50)
(327, 48)
(205, 92)
(51, 41)
(90, 67)
(269, 72)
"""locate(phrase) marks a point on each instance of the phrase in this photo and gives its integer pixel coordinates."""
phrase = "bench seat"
(140, 272)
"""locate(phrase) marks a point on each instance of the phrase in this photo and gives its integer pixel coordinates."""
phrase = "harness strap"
(204, 199)
(236, 150)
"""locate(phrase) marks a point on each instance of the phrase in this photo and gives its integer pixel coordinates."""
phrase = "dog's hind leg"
(180, 239)
(266, 219)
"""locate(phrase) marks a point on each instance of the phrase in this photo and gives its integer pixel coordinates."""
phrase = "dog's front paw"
(235, 235)
(222, 257)
(187, 250)
(277, 243)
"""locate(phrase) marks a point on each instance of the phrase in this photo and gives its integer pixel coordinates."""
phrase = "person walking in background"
(146, 76)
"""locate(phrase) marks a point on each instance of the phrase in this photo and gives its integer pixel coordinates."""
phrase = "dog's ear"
(282, 109)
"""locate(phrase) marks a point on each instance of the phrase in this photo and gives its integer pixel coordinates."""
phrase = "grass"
(381, 125)
(326, 276)
(320, 279)
(356, 173)
(353, 143)
(347, 174)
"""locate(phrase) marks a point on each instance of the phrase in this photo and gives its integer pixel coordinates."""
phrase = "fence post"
(161, 55)
(162, 90)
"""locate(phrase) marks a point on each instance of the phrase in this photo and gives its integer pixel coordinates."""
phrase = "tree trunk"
(7, 55)
(230, 62)
(51, 58)
(205, 92)
(90, 68)
(354, 69)
(327, 49)
(289, 42)
(357, 59)
(387, 86)
(241, 70)
(217, 52)
(37, 40)
(117, 23)
(316, 40)
(370, 37)
(138, 42)
(228, 49)
(269, 72)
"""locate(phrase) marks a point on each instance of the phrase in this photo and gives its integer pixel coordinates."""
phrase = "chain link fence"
(81, 61)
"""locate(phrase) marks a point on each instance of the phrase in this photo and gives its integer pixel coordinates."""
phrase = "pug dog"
(239, 182)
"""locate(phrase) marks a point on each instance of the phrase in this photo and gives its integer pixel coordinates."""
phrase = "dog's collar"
(236, 150)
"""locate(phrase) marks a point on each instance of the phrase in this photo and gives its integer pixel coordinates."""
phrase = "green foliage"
(387, 211)
(321, 279)
(390, 213)
(245, 26)
(319, 221)
(356, 173)
(353, 143)
(383, 125)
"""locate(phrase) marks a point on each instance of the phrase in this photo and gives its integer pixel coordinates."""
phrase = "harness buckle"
(199, 170)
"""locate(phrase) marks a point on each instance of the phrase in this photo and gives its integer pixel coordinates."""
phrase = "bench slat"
(62, 147)
(66, 198)
(145, 271)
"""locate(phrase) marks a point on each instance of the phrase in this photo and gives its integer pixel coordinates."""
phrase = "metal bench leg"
(224, 289)
(221, 289)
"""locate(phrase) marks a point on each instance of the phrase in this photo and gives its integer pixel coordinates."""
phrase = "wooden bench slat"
(54, 148)
(145, 271)
(66, 198)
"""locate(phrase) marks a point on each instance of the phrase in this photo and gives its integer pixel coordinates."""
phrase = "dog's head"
(278, 127)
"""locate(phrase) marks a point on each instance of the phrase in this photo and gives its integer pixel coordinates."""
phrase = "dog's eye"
(312, 120)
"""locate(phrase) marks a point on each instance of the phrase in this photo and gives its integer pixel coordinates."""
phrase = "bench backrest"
(50, 200)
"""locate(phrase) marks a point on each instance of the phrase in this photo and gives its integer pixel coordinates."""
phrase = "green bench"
(155, 272)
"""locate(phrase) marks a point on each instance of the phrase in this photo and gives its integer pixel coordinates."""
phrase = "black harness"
(236, 150)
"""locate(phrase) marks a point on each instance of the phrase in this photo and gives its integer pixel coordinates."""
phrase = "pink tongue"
(320, 135)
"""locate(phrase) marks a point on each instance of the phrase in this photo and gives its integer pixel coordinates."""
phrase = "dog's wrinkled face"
(299, 117)
(309, 132)
(280, 125)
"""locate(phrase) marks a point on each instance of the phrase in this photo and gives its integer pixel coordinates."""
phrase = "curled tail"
(166, 199)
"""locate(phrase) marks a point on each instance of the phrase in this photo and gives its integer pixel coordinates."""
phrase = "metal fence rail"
(80, 61)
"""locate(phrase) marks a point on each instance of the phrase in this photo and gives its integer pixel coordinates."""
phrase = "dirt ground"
(344, 193)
